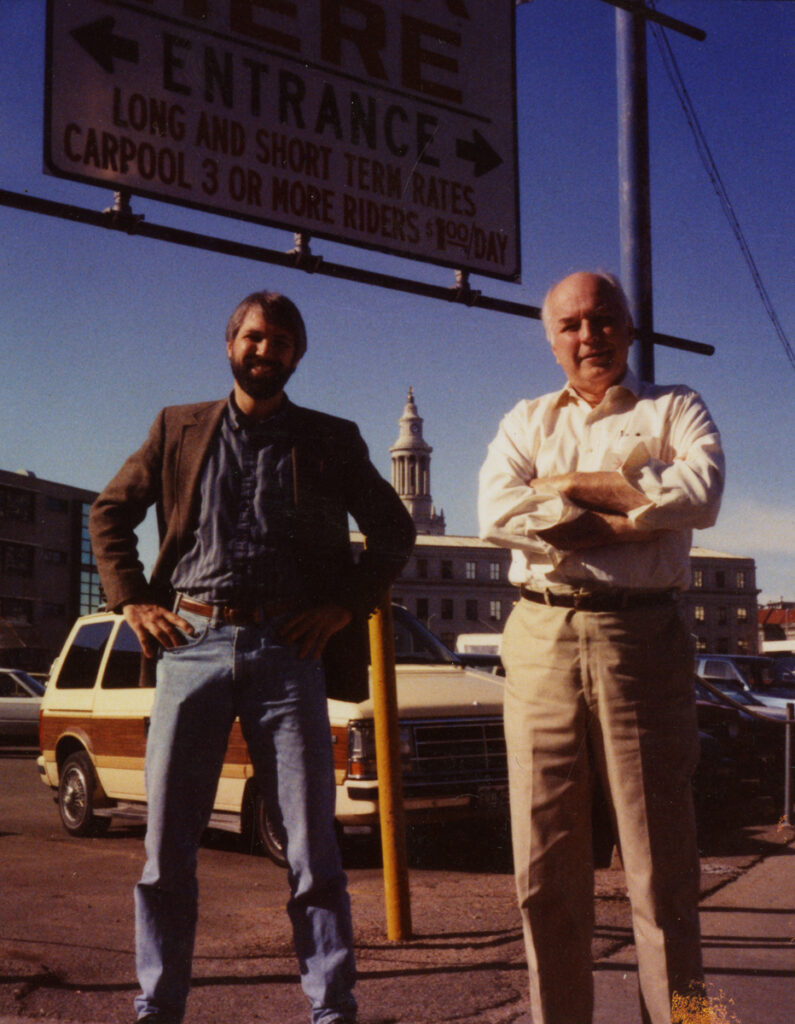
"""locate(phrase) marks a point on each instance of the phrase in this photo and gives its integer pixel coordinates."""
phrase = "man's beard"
(261, 387)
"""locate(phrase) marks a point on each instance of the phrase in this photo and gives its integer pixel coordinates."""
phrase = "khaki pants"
(610, 692)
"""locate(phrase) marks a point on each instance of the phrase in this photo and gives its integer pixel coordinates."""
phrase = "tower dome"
(411, 471)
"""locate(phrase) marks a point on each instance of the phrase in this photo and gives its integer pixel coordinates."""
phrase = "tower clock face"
(415, 428)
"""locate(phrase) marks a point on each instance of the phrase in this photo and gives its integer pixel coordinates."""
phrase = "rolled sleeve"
(510, 512)
(684, 493)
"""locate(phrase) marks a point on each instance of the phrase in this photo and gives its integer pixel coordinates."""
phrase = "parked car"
(95, 717)
(769, 680)
(20, 699)
(748, 734)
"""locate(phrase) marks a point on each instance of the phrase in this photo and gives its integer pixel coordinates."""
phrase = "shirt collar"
(629, 382)
(239, 421)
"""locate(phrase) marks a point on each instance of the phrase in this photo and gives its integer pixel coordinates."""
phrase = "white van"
(95, 716)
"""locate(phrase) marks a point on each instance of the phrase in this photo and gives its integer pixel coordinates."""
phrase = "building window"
(720, 578)
(16, 504)
(742, 647)
(18, 559)
(91, 598)
(447, 569)
(471, 610)
(722, 646)
(53, 557)
(698, 578)
(739, 579)
(495, 611)
(722, 618)
(742, 614)
(701, 643)
(53, 504)
(422, 568)
(53, 610)
(448, 639)
(494, 570)
(470, 570)
(422, 609)
(698, 613)
(16, 610)
(447, 607)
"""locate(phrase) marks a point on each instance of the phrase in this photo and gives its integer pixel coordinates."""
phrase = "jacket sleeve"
(115, 516)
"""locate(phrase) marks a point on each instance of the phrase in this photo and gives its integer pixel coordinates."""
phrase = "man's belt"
(235, 615)
(598, 601)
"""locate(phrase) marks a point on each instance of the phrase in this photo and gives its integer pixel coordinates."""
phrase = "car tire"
(267, 832)
(76, 797)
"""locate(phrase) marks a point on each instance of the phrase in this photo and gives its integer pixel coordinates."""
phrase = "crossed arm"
(607, 499)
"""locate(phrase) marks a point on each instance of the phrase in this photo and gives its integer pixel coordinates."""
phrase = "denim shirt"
(243, 543)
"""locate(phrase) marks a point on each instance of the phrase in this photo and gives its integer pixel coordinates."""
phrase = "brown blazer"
(332, 479)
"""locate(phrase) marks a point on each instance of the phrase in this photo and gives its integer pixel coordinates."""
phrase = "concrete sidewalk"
(748, 933)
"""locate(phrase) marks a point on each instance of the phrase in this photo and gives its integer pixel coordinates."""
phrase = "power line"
(710, 166)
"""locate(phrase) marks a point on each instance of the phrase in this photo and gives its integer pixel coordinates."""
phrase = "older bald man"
(596, 489)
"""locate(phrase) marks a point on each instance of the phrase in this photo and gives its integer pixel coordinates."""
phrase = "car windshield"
(416, 645)
(731, 689)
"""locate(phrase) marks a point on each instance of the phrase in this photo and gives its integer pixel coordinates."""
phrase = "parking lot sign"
(388, 124)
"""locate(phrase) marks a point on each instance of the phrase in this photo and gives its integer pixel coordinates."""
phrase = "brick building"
(47, 573)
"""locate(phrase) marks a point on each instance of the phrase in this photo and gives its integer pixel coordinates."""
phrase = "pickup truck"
(95, 716)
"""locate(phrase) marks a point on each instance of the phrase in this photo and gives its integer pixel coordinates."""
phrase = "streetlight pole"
(633, 184)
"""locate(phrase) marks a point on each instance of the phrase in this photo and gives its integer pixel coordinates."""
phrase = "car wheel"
(268, 833)
(76, 797)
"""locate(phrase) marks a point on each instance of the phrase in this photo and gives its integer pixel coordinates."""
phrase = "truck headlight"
(361, 749)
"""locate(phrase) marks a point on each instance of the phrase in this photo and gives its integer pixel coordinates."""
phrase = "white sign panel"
(383, 123)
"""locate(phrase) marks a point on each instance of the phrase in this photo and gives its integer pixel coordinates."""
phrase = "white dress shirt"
(663, 441)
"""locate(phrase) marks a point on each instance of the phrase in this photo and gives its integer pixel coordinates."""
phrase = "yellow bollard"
(390, 782)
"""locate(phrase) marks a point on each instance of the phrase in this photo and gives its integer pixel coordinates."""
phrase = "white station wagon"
(95, 717)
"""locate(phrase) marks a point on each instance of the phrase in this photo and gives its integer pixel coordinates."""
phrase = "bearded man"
(255, 609)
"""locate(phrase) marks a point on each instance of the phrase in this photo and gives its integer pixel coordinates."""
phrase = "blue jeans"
(222, 672)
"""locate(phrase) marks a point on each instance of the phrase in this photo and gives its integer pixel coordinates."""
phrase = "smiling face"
(263, 356)
(590, 333)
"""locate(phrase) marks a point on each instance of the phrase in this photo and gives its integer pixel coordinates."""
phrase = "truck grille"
(457, 751)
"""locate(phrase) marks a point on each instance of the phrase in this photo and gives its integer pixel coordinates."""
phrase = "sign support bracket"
(117, 220)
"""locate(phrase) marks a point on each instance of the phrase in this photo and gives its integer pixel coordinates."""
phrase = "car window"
(9, 687)
(715, 669)
(79, 669)
(123, 668)
(416, 645)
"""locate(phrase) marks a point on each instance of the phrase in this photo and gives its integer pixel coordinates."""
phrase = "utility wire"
(710, 166)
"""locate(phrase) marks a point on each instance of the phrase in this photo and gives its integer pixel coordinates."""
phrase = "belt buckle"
(579, 598)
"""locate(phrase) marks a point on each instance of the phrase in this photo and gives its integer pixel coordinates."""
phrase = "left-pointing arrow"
(99, 42)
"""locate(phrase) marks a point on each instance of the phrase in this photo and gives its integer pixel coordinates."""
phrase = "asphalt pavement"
(465, 961)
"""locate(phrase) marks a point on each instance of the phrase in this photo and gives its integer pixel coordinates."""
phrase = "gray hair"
(276, 308)
(603, 275)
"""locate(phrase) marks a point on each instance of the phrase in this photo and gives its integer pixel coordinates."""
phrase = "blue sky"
(99, 330)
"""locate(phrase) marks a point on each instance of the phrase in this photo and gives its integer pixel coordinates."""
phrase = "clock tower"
(411, 471)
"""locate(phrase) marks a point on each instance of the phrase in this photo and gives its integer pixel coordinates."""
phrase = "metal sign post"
(381, 123)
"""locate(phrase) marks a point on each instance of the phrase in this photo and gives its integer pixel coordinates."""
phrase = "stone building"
(47, 572)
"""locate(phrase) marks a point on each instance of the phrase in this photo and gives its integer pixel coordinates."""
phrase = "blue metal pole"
(634, 192)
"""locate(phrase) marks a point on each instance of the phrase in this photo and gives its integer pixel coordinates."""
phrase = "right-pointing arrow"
(99, 42)
(479, 152)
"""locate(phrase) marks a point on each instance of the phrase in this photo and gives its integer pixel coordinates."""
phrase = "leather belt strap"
(232, 615)
(595, 601)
